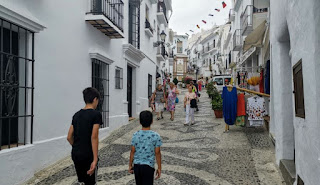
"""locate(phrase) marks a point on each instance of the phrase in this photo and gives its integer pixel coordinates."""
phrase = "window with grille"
(100, 81)
(119, 78)
(17, 85)
(298, 90)
(134, 23)
(149, 85)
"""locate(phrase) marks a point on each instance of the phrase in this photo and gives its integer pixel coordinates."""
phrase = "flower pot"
(218, 113)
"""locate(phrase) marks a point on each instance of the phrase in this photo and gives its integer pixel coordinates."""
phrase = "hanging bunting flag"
(218, 10)
(191, 31)
(224, 4)
(198, 26)
(211, 15)
(187, 34)
(205, 22)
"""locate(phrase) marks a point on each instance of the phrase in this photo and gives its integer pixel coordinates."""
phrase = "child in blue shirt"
(145, 147)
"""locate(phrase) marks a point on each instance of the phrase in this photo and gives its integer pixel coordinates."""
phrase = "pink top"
(189, 96)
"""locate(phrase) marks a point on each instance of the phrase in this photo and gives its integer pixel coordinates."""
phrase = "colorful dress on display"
(229, 105)
(241, 111)
(171, 99)
(256, 110)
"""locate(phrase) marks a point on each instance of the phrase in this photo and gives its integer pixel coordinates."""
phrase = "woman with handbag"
(171, 101)
(159, 101)
(190, 103)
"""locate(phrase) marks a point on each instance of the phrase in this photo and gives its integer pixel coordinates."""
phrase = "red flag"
(198, 26)
(218, 10)
(205, 22)
(224, 4)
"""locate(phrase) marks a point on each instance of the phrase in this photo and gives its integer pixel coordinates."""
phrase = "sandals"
(171, 119)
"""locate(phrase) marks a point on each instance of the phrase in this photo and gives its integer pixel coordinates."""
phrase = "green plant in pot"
(217, 105)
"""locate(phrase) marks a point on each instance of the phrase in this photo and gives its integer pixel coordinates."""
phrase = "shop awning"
(255, 38)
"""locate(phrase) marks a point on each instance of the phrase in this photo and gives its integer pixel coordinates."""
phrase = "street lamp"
(163, 36)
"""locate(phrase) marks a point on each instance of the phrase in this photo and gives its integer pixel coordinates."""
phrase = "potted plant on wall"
(217, 105)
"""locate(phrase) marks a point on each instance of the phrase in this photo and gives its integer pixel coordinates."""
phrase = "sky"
(188, 13)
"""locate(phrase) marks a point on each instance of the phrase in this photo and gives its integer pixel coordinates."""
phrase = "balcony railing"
(246, 19)
(148, 26)
(112, 9)
(161, 51)
(163, 9)
(231, 15)
(237, 40)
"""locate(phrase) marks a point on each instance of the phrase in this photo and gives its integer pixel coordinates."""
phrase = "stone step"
(288, 171)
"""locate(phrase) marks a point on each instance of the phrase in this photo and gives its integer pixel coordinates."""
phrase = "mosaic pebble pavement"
(200, 154)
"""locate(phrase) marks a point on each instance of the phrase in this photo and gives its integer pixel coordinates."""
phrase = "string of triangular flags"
(210, 15)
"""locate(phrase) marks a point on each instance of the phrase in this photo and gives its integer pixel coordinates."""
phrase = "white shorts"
(159, 107)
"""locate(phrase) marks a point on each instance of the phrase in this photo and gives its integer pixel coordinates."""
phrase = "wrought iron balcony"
(237, 40)
(148, 29)
(162, 13)
(161, 53)
(252, 17)
(107, 16)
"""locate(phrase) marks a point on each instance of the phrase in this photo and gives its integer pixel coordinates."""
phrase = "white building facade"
(50, 56)
(295, 90)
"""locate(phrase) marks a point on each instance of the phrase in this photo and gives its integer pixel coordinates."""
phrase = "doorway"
(129, 90)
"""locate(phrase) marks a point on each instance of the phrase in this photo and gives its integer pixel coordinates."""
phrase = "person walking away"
(83, 137)
(195, 90)
(172, 95)
(190, 104)
(200, 85)
(145, 147)
(159, 101)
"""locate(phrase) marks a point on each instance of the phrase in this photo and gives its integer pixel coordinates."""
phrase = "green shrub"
(217, 103)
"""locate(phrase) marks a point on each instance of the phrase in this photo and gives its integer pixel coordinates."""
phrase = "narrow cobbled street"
(192, 155)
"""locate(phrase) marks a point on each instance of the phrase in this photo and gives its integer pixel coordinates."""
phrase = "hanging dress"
(241, 111)
(229, 105)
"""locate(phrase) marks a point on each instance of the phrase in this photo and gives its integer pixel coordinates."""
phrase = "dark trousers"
(82, 168)
(144, 174)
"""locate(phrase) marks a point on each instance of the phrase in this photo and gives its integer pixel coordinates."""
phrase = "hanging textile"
(198, 26)
(218, 10)
(261, 84)
(205, 22)
(191, 31)
(267, 78)
(229, 105)
(256, 110)
(211, 15)
(241, 110)
(242, 82)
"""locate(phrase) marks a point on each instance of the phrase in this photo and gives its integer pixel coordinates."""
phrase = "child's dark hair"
(89, 94)
(146, 118)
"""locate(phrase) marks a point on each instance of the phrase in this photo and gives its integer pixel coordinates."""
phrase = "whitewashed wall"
(62, 71)
(295, 35)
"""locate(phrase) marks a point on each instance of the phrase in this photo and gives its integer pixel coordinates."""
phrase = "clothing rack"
(251, 92)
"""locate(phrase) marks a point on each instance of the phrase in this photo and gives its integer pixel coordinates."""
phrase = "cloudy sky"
(188, 13)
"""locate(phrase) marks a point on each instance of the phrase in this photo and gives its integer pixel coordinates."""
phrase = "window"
(298, 90)
(219, 81)
(149, 85)
(119, 78)
(214, 43)
(179, 47)
(17, 85)
(100, 81)
(134, 23)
